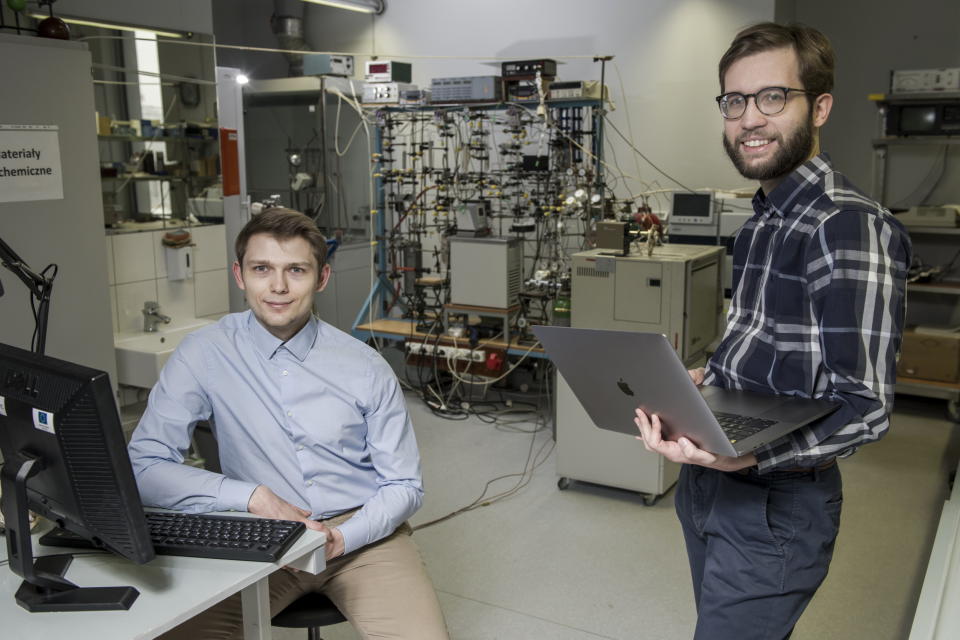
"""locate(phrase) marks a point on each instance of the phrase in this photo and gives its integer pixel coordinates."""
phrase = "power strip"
(444, 351)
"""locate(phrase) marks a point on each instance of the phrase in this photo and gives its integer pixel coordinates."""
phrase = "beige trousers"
(382, 589)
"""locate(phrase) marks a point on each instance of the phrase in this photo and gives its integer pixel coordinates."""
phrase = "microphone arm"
(40, 287)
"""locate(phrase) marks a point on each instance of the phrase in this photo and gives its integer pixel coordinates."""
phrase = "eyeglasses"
(769, 101)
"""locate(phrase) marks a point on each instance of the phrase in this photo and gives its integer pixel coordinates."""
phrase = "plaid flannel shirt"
(819, 297)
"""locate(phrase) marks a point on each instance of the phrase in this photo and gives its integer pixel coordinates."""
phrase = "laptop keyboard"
(738, 427)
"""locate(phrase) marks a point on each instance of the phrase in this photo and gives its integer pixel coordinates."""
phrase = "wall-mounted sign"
(30, 163)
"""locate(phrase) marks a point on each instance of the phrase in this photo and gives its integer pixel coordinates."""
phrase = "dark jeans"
(759, 546)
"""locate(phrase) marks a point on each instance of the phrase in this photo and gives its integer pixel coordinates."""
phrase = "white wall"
(666, 51)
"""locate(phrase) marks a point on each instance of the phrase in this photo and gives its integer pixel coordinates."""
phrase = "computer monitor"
(65, 458)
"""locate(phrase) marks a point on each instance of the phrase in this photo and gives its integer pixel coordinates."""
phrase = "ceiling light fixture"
(109, 25)
(363, 6)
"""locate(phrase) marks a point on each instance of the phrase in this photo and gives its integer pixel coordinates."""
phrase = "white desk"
(172, 590)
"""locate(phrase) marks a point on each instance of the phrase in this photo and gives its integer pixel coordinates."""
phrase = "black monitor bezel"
(77, 473)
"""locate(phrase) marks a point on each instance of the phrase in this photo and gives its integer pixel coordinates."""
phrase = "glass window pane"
(152, 108)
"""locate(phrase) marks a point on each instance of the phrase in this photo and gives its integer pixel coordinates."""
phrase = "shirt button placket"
(284, 373)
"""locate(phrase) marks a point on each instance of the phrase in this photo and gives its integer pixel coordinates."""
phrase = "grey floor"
(592, 562)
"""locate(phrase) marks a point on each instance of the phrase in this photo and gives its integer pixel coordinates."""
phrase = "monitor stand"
(44, 588)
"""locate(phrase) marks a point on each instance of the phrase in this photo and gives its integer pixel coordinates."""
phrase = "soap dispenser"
(178, 250)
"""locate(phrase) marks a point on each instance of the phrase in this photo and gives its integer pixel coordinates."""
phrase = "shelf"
(148, 178)
(919, 96)
(481, 106)
(949, 288)
(156, 139)
(936, 231)
(928, 388)
(395, 329)
(914, 141)
(154, 225)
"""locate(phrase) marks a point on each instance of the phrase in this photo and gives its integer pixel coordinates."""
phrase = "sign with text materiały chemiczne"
(30, 163)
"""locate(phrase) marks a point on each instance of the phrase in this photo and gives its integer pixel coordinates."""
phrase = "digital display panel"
(918, 118)
(691, 205)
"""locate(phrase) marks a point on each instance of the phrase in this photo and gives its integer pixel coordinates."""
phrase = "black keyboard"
(203, 535)
(227, 537)
(738, 427)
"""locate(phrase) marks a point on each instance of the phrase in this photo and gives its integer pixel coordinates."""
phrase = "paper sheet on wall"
(30, 163)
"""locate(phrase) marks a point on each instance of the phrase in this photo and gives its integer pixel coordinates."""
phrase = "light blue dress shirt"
(319, 419)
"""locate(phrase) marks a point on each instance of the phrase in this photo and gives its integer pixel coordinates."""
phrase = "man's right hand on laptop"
(697, 375)
(683, 451)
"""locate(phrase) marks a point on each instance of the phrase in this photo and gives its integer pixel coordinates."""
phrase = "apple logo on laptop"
(624, 387)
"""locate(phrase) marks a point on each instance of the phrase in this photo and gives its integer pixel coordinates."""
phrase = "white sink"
(141, 355)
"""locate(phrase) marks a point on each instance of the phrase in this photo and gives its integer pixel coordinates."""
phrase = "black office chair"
(205, 445)
(311, 611)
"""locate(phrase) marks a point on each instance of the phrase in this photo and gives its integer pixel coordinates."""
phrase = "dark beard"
(792, 154)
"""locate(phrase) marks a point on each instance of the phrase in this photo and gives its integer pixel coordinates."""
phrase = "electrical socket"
(415, 348)
(473, 355)
(476, 355)
(443, 351)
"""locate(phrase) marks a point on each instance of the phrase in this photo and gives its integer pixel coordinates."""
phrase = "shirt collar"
(268, 344)
(780, 201)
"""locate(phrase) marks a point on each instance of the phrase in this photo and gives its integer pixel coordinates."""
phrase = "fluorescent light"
(363, 6)
(108, 25)
(242, 79)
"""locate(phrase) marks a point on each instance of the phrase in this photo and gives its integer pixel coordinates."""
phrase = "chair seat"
(310, 610)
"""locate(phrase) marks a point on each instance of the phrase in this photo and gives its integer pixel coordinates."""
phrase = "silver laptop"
(614, 372)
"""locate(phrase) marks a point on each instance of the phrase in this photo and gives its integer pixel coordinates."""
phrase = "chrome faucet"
(152, 316)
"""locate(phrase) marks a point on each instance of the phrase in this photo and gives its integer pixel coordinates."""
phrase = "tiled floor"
(592, 562)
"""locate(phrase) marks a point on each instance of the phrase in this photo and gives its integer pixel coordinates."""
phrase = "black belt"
(820, 467)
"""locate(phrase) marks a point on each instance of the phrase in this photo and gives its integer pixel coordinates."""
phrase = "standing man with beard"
(817, 311)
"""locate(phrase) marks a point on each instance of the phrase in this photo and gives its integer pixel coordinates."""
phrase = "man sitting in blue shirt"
(311, 426)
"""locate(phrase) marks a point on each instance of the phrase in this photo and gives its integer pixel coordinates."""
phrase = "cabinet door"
(639, 292)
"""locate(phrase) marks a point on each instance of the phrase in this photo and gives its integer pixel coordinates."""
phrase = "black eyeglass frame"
(747, 96)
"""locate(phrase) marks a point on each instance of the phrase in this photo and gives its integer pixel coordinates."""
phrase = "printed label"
(30, 163)
(43, 420)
